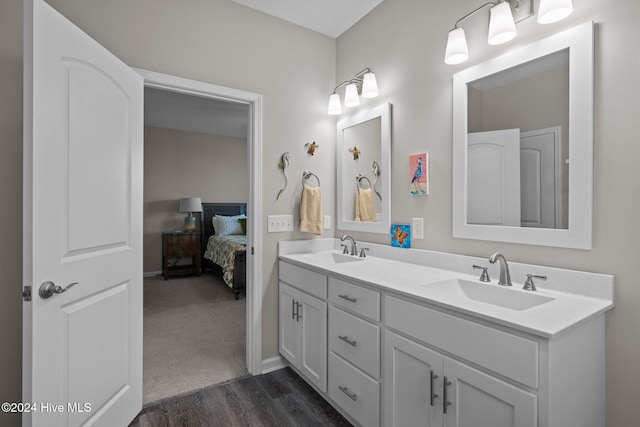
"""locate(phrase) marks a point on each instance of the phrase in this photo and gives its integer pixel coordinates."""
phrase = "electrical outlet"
(327, 222)
(279, 223)
(417, 228)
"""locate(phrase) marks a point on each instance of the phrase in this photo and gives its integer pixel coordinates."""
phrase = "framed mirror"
(364, 171)
(523, 144)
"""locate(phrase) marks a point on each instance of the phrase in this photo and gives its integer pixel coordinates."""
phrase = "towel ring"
(359, 179)
(308, 174)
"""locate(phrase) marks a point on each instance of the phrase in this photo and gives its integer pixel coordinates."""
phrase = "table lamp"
(190, 204)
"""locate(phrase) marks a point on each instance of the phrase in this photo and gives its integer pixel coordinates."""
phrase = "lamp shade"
(502, 28)
(554, 10)
(369, 85)
(190, 204)
(351, 98)
(334, 105)
(457, 51)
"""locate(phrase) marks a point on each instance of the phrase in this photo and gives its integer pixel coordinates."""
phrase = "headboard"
(209, 210)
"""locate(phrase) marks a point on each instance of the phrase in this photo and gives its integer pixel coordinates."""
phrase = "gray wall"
(404, 42)
(186, 164)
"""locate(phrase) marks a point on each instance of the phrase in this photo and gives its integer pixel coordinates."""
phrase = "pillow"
(214, 222)
(228, 225)
(243, 223)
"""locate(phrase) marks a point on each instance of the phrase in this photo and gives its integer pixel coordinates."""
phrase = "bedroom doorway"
(201, 314)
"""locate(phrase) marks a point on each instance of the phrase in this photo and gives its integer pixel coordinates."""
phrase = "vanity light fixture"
(364, 83)
(502, 25)
(551, 11)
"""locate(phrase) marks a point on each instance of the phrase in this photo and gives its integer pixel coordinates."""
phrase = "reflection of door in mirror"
(366, 137)
(534, 98)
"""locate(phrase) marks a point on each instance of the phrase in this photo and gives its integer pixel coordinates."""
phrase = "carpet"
(194, 335)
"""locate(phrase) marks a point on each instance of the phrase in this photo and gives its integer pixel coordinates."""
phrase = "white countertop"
(566, 310)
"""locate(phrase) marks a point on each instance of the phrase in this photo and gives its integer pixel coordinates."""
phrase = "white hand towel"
(365, 211)
(311, 210)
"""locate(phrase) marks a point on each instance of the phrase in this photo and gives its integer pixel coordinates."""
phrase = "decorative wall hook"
(311, 147)
(282, 165)
(355, 152)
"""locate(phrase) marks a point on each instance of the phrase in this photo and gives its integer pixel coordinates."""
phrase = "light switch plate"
(417, 228)
(279, 223)
(327, 222)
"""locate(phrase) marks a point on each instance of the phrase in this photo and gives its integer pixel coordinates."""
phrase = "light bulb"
(457, 51)
(351, 98)
(554, 10)
(502, 28)
(334, 104)
(369, 86)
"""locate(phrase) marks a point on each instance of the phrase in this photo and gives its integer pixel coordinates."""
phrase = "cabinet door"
(409, 391)
(287, 323)
(480, 400)
(313, 340)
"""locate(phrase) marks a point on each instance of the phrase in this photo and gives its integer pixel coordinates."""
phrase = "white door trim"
(254, 207)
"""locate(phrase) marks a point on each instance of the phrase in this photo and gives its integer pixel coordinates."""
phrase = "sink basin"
(490, 294)
(333, 258)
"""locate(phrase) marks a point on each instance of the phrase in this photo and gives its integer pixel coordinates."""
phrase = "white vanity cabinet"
(384, 357)
(426, 388)
(354, 350)
(303, 322)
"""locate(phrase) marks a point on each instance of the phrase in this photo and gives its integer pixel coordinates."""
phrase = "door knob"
(47, 289)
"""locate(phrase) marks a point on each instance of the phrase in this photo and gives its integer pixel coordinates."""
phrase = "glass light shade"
(351, 98)
(502, 28)
(457, 51)
(369, 86)
(554, 10)
(334, 105)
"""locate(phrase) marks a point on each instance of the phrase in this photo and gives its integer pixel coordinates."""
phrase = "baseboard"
(151, 273)
(273, 364)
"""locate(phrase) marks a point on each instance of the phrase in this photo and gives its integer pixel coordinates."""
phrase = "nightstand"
(180, 244)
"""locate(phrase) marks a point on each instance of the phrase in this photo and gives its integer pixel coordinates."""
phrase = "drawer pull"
(348, 298)
(445, 402)
(348, 340)
(298, 315)
(346, 391)
(432, 378)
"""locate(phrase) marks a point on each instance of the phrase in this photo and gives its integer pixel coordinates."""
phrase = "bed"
(225, 256)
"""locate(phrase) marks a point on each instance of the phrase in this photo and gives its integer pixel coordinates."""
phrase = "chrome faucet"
(354, 249)
(505, 276)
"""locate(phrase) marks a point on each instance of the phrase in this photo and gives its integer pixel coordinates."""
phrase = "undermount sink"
(334, 258)
(489, 294)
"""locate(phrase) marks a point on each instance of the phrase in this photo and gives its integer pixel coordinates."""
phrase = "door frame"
(254, 207)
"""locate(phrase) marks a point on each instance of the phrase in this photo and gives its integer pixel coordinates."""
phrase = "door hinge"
(252, 250)
(26, 293)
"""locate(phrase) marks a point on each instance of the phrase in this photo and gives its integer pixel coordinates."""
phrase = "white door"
(413, 384)
(540, 181)
(479, 400)
(82, 224)
(493, 178)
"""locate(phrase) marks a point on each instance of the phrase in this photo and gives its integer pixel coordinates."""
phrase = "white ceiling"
(330, 17)
(190, 113)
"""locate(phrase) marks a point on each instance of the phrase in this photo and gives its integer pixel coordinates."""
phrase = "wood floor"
(279, 398)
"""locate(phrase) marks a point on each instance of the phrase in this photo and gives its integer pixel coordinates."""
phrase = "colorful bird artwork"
(285, 159)
(418, 174)
(355, 152)
(311, 147)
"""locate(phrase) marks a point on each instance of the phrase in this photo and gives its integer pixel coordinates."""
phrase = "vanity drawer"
(510, 355)
(355, 298)
(356, 340)
(309, 281)
(354, 392)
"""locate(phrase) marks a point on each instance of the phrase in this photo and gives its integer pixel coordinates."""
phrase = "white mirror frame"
(579, 40)
(384, 112)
